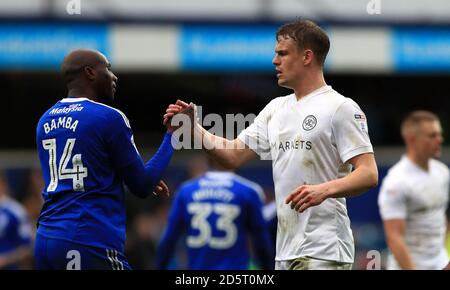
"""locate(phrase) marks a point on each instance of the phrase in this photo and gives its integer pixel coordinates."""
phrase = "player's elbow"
(370, 176)
(373, 178)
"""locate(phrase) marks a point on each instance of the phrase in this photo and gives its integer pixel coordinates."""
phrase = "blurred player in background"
(15, 230)
(414, 197)
(218, 212)
(87, 153)
(315, 138)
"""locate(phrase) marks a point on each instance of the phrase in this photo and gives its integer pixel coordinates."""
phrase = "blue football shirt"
(82, 147)
(217, 214)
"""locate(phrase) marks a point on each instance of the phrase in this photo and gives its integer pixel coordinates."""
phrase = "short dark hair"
(413, 120)
(307, 34)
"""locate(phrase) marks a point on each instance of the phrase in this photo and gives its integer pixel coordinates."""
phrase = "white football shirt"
(420, 197)
(309, 141)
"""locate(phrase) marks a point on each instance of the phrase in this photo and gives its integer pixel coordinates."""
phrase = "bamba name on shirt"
(292, 145)
(61, 122)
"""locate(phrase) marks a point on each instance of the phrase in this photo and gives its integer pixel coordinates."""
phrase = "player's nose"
(275, 60)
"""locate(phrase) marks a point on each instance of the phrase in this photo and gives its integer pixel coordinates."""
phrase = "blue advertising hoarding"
(421, 49)
(223, 48)
(43, 46)
(218, 48)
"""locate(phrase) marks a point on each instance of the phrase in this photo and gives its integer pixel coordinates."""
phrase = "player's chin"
(437, 154)
(283, 83)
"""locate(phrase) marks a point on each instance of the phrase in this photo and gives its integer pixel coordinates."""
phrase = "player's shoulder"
(88, 108)
(345, 103)
(398, 174)
(335, 99)
(399, 169)
(253, 187)
(440, 166)
(331, 103)
(108, 112)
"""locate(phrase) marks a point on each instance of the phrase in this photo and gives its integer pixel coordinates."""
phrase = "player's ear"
(89, 72)
(308, 55)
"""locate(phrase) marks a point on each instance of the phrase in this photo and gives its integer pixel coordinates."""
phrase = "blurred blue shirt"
(217, 213)
(15, 229)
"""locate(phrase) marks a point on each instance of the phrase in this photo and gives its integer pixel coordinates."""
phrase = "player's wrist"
(197, 130)
(330, 190)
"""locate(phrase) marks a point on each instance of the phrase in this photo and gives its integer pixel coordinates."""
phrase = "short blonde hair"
(413, 120)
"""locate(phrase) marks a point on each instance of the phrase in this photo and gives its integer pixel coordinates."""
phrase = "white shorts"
(308, 263)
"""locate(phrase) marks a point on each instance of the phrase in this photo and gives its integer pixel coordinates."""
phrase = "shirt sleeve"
(174, 227)
(121, 144)
(392, 200)
(350, 131)
(256, 135)
(139, 177)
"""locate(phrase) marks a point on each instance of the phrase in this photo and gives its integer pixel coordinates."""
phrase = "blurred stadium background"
(389, 56)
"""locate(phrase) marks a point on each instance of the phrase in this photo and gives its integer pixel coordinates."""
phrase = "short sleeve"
(121, 144)
(350, 131)
(392, 200)
(256, 135)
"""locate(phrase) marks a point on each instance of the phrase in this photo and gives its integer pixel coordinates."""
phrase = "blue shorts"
(56, 254)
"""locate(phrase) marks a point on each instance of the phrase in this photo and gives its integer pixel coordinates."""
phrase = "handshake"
(183, 110)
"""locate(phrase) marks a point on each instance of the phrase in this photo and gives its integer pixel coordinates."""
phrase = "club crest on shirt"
(309, 122)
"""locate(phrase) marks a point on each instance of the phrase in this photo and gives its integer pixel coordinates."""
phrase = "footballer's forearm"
(400, 251)
(142, 178)
(227, 152)
(363, 178)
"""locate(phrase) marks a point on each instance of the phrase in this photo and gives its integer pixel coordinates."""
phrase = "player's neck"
(309, 84)
(420, 161)
(84, 93)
